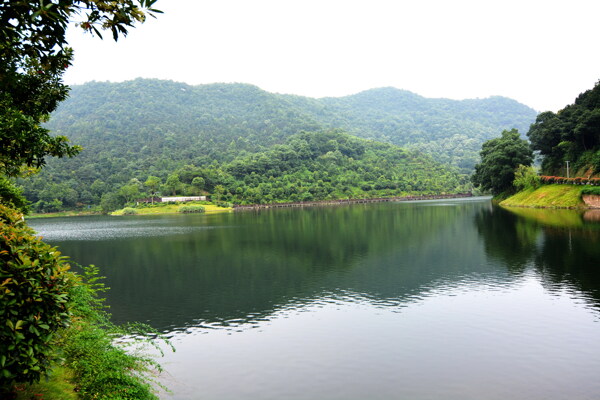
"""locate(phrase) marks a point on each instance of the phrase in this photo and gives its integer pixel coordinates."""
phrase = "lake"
(454, 299)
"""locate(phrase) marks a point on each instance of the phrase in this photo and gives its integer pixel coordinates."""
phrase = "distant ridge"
(209, 118)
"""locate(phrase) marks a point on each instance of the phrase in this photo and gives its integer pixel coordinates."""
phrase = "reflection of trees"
(565, 257)
(243, 266)
(508, 238)
(572, 257)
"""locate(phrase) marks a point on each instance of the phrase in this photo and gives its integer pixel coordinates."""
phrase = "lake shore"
(171, 208)
(62, 214)
(549, 196)
(350, 201)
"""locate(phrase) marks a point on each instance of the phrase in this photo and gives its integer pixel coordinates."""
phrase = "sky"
(542, 53)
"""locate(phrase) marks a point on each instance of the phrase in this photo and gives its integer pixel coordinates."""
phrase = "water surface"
(425, 300)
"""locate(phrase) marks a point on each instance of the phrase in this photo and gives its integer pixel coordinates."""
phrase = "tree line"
(570, 137)
(309, 166)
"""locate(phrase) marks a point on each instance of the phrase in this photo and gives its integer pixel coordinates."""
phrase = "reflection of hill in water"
(246, 266)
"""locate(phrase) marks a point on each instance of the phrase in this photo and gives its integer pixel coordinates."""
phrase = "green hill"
(144, 127)
(216, 121)
(309, 166)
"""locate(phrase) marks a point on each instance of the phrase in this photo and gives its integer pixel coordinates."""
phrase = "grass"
(173, 208)
(61, 214)
(58, 386)
(548, 196)
(92, 365)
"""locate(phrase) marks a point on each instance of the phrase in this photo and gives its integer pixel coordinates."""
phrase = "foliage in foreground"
(50, 314)
(101, 368)
(34, 286)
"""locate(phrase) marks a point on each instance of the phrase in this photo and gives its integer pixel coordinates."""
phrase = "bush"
(191, 209)
(102, 368)
(595, 190)
(129, 211)
(34, 287)
(526, 178)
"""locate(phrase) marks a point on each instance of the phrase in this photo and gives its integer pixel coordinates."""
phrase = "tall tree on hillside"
(500, 157)
(34, 55)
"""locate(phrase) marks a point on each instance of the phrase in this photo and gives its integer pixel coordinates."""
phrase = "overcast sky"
(542, 53)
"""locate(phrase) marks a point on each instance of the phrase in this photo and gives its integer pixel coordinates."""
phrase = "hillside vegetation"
(218, 121)
(309, 166)
(143, 128)
(572, 135)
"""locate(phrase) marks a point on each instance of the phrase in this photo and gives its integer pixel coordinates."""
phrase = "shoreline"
(552, 196)
(245, 207)
(318, 203)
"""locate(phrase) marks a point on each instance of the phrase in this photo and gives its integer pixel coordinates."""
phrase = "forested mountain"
(450, 130)
(217, 121)
(144, 128)
(309, 166)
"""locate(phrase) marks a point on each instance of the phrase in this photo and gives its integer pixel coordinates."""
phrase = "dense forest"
(141, 128)
(217, 121)
(309, 166)
(570, 135)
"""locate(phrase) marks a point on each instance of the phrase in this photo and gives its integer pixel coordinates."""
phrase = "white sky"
(542, 53)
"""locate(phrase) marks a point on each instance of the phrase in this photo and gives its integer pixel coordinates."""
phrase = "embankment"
(349, 201)
(548, 196)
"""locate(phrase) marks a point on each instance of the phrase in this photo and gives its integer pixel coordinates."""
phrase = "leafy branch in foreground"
(33, 58)
(34, 287)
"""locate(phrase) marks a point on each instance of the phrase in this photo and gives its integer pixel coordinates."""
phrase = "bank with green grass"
(554, 196)
(174, 208)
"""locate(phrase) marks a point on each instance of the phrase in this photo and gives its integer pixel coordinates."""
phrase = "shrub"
(591, 190)
(34, 287)
(129, 211)
(526, 178)
(102, 368)
(191, 209)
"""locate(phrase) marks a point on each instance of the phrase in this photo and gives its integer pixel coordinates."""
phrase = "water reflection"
(450, 300)
(562, 245)
(222, 270)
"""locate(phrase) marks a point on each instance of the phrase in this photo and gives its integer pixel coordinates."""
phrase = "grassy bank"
(89, 364)
(548, 196)
(170, 208)
(62, 214)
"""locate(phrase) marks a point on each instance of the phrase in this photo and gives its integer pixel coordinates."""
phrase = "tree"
(500, 157)
(33, 57)
(153, 183)
(526, 178)
(173, 184)
(572, 134)
(129, 192)
(198, 182)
